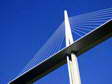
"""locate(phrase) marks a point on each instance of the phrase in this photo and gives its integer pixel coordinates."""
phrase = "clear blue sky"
(25, 25)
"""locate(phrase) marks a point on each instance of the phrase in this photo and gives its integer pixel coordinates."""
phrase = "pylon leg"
(73, 68)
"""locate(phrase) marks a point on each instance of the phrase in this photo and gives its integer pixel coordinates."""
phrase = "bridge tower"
(72, 62)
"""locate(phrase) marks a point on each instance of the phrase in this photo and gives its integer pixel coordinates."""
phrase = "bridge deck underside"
(79, 47)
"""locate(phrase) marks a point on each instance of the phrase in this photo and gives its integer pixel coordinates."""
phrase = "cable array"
(80, 25)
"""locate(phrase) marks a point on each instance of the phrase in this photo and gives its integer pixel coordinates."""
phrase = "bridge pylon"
(72, 61)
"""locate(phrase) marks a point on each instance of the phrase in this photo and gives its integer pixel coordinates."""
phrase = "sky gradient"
(25, 25)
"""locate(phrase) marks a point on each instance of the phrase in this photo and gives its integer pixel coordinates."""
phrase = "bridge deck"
(79, 47)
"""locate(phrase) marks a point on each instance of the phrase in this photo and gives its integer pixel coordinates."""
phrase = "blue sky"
(25, 25)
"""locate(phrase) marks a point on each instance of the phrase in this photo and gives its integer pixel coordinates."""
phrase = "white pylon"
(72, 62)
